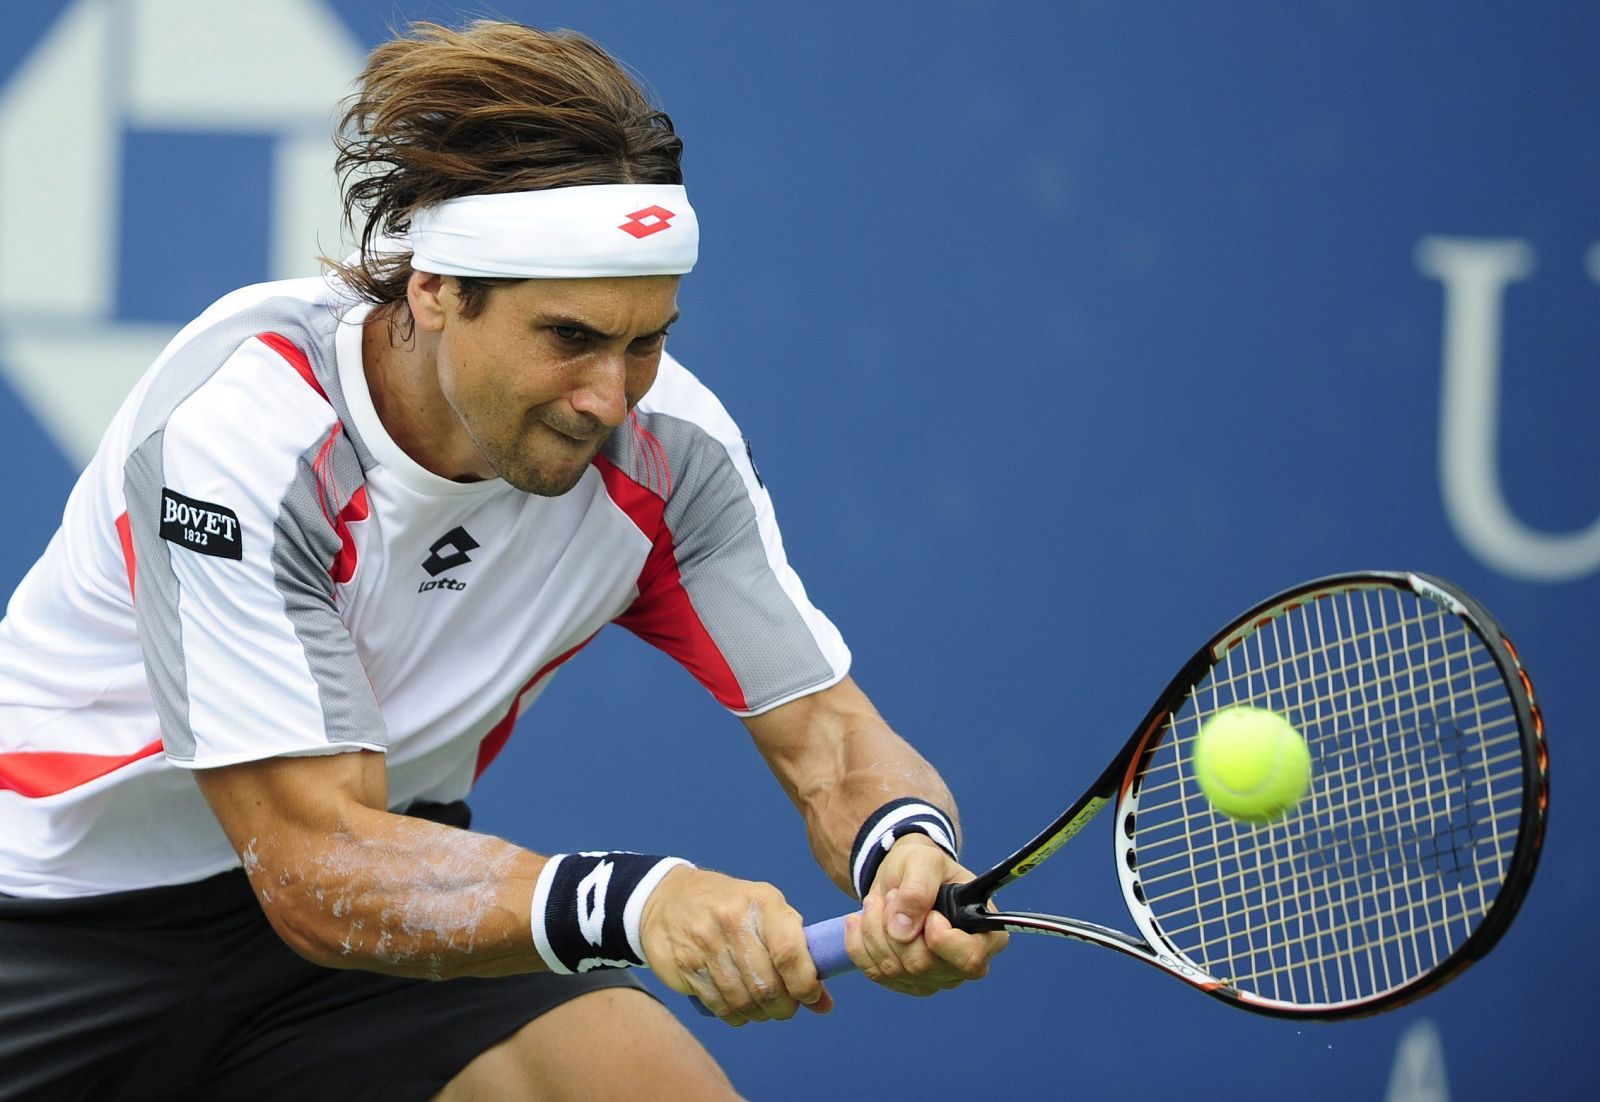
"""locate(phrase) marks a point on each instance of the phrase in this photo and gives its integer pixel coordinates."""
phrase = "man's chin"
(548, 480)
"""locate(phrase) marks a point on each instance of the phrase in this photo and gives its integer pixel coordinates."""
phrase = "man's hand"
(900, 941)
(736, 945)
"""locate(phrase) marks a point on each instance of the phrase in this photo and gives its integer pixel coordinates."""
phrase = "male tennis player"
(338, 537)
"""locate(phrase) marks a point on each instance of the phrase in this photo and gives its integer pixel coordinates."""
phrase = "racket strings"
(1354, 639)
(1182, 877)
(1209, 937)
(1394, 856)
(1172, 779)
(1353, 878)
(1355, 709)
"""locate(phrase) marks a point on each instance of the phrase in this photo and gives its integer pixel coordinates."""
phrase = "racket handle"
(825, 940)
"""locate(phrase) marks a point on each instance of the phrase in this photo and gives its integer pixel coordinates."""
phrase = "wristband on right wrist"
(888, 824)
(587, 907)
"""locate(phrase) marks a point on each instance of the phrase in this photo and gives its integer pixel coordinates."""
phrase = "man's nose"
(603, 391)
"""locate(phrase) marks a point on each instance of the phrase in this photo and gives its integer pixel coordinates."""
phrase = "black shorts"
(185, 992)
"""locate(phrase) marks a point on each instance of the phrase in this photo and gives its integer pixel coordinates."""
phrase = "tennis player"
(339, 536)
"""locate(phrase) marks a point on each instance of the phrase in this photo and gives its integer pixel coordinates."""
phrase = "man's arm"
(348, 884)
(839, 762)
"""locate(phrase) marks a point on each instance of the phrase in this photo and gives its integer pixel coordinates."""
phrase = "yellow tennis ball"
(1251, 763)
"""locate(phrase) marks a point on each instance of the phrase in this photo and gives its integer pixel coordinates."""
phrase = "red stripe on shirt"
(500, 733)
(343, 567)
(344, 564)
(125, 536)
(652, 458)
(35, 773)
(298, 360)
(662, 615)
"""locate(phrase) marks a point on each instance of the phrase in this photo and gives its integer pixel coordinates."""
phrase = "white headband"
(559, 233)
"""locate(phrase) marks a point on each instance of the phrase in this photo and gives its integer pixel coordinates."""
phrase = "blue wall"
(1062, 332)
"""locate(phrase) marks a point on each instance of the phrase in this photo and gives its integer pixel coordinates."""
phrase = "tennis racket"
(1403, 864)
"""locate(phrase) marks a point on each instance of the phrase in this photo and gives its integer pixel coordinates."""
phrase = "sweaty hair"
(441, 113)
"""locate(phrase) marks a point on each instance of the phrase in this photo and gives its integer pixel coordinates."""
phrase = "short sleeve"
(717, 592)
(234, 501)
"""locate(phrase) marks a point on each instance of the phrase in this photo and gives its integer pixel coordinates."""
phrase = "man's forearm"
(882, 767)
(395, 894)
(840, 761)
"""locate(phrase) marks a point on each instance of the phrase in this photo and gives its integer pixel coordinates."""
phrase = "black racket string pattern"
(1398, 849)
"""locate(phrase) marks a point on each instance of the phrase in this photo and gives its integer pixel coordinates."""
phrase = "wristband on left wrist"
(885, 826)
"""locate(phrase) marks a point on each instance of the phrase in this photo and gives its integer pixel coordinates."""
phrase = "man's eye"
(654, 341)
(569, 333)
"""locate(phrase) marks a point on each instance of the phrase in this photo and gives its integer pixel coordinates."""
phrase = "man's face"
(549, 368)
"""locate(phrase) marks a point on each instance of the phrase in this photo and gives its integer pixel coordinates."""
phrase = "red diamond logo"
(643, 223)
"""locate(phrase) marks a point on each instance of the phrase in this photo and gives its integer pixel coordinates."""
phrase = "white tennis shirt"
(250, 567)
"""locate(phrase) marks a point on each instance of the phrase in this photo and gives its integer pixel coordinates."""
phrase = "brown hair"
(441, 113)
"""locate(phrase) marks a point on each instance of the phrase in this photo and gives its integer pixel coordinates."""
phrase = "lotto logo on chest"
(200, 526)
(448, 552)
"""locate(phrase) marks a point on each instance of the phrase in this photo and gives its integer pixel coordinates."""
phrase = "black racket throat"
(965, 908)
(1096, 797)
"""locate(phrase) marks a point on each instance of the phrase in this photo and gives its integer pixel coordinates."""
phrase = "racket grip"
(825, 940)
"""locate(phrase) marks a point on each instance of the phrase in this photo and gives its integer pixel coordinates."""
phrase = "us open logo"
(1474, 274)
(134, 130)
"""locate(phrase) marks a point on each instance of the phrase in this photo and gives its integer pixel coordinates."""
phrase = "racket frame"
(967, 905)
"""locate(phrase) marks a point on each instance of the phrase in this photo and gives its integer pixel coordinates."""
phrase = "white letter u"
(1475, 272)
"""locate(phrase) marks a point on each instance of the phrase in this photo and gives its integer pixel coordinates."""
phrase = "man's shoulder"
(289, 325)
(312, 299)
(680, 395)
(252, 373)
(681, 439)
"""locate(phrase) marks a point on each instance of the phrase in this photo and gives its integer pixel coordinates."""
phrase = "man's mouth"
(585, 435)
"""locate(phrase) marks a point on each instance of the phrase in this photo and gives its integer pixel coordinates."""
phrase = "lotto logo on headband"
(639, 223)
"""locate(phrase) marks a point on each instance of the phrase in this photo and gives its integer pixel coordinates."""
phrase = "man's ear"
(431, 297)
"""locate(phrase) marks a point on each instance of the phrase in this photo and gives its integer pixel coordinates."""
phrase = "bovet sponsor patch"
(200, 526)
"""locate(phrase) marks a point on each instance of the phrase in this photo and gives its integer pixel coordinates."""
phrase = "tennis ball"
(1251, 763)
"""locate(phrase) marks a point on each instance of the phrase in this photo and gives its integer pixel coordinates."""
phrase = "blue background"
(1062, 333)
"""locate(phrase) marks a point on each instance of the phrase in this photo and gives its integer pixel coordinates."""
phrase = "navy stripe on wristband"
(587, 906)
(894, 820)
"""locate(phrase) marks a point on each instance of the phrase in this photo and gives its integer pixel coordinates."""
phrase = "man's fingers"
(905, 917)
(704, 988)
(968, 953)
(776, 969)
(901, 966)
(882, 961)
(916, 888)
(785, 941)
(823, 1005)
(736, 945)
(741, 1004)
